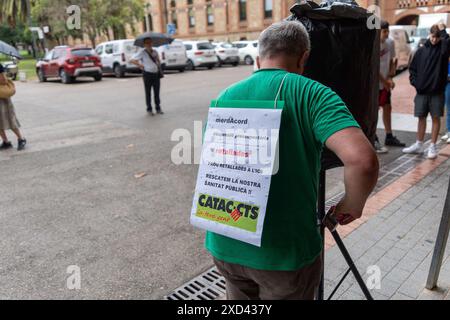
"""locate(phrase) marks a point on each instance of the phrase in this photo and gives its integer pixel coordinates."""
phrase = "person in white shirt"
(148, 61)
(388, 67)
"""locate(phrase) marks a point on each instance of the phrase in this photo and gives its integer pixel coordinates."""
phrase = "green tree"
(13, 11)
(98, 17)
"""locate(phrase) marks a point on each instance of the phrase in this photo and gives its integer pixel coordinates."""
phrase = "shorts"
(429, 104)
(244, 283)
(384, 97)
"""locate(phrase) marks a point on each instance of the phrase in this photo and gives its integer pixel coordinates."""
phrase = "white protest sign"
(238, 159)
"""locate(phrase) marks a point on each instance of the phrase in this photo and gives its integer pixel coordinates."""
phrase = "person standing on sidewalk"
(428, 74)
(8, 119)
(388, 68)
(446, 138)
(148, 61)
(287, 266)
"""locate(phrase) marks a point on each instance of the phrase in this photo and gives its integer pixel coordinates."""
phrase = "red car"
(68, 63)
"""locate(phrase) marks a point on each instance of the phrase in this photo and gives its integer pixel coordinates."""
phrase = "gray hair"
(286, 37)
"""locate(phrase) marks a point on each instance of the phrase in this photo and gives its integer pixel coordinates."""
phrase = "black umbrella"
(9, 50)
(158, 39)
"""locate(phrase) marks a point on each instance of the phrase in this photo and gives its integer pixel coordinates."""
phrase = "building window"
(191, 14)
(210, 14)
(148, 23)
(173, 13)
(268, 9)
(191, 18)
(243, 10)
(174, 19)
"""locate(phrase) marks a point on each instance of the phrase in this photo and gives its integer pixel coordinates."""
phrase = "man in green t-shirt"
(288, 263)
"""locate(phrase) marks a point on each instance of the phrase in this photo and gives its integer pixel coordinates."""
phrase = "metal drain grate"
(207, 286)
(211, 284)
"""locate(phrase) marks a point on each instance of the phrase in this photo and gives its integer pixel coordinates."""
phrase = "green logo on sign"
(228, 212)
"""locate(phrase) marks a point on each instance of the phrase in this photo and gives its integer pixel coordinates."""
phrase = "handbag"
(7, 90)
(160, 73)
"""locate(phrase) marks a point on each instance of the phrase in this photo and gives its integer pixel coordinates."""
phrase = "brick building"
(231, 20)
(214, 19)
(406, 12)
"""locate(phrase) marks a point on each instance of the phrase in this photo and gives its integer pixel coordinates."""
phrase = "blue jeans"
(447, 104)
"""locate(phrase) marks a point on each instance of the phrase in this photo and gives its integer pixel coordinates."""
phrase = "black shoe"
(160, 112)
(22, 144)
(394, 142)
(6, 146)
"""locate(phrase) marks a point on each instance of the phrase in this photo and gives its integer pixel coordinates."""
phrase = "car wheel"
(118, 71)
(235, 64)
(98, 77)
(190, 65)
(14, 77)
(210, 67)
(41, 76)
(248, 60)
(182, 70)
(65, 78)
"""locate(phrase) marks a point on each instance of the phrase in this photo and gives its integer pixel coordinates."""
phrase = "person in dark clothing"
(428, 74)
(148, 61)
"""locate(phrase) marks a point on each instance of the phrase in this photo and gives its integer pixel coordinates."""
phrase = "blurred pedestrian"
(147, 59)
(446, 138)
(388, 68)
(8, 119)
(429, 74)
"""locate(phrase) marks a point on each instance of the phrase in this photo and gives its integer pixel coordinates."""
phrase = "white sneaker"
(446, 137)
(416, 148)
(432, 153)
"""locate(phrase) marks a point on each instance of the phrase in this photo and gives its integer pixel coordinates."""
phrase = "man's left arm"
(445, 38)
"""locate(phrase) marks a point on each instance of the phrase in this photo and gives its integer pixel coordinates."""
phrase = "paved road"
(72, 198)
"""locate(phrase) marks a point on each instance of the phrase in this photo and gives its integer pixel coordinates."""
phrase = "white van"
(403, 50)
(173, 56)
(116, 56)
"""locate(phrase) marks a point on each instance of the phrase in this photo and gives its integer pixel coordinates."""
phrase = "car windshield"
(205, 46)
(83, 52)
(240, 45)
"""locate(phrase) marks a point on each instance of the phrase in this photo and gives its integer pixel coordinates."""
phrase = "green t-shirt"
(312, 113)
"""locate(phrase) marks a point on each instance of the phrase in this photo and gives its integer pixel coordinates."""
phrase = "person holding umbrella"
(148, 61)
(8, 119)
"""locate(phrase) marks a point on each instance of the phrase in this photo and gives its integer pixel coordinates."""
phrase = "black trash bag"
(345, 57)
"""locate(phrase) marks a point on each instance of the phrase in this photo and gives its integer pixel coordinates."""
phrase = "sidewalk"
(397, 234)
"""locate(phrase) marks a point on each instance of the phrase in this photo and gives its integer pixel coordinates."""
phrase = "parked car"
(12, 68)
(200, 54)
(173, 56)
(248, 51)
(403, 50)
(227, 53)
(116, 56)
(68, 63)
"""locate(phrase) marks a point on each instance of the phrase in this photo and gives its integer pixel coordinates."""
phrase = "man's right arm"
(136, 60)
(335, 127)
(361, 171)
